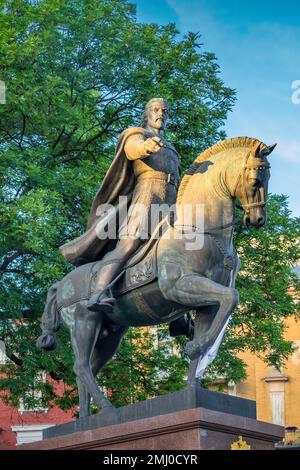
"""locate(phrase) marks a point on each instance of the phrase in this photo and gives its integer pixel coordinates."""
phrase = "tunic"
(157, 179)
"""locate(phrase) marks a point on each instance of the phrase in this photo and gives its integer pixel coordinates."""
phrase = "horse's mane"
(236, 142)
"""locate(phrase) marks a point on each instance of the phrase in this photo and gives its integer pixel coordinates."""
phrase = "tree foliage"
(78, 73)
(148, 364)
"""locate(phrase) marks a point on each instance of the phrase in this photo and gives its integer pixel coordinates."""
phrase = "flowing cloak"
(118, 181)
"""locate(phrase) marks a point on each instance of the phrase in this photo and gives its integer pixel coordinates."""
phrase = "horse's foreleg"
(84, 336)
(195, 290)
(202, 323)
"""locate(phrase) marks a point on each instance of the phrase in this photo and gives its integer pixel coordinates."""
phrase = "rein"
(195, 228)
(242, 176)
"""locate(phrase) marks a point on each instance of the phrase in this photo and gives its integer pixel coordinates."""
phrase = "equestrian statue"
(153, 273)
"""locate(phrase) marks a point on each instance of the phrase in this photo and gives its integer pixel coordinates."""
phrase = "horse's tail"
(50, 322)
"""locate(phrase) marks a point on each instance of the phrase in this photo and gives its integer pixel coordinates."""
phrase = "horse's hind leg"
(84, 399)
(85, 334)
(103, 351)
(105, 348)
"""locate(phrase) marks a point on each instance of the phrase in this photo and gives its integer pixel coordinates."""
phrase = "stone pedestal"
(192, 419)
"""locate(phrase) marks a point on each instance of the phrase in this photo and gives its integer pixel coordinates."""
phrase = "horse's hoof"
(107, 406)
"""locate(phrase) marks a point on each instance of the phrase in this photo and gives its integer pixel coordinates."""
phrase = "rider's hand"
(153, 145)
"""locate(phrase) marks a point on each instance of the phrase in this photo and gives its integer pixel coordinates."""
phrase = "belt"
(159, 175)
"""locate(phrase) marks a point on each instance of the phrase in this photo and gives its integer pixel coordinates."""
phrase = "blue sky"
(257, 45)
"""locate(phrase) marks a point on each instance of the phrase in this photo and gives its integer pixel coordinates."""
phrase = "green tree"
(148, 364)
(77, 73)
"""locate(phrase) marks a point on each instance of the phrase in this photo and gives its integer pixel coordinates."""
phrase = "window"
(37, 395)
(276, 381)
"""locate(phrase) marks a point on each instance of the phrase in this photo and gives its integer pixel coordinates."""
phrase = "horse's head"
(252, 185)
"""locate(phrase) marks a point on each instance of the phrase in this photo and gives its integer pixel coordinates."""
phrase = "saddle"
(140, 269)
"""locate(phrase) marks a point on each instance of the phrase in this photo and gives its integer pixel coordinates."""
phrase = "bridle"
(229, 259)
(246, 206)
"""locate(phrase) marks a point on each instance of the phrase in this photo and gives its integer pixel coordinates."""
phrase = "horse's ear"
(264, 151)
(258, 149)
(271, 148)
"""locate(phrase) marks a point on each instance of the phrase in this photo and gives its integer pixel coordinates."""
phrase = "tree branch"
(58, 138)
(23, 130)
(15, 359)
(66, 144)
(9, 259)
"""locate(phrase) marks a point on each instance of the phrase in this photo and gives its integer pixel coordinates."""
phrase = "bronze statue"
(167, 278)
(155, 165)
(146, 171)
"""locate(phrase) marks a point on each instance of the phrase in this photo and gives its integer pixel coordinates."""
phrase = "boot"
(102, 301)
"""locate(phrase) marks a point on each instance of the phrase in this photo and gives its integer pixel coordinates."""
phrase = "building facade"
(276, 392)
(20, 425)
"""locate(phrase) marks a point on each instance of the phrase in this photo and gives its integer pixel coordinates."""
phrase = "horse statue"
(166, 279)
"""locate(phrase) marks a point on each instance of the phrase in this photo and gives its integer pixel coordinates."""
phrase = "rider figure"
(145, 170)
(155, 164)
